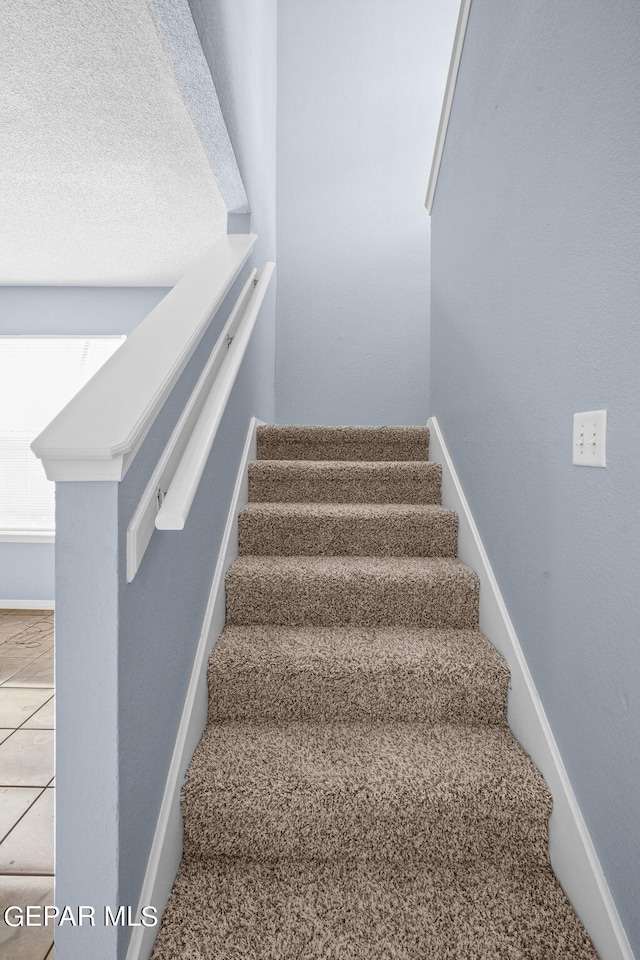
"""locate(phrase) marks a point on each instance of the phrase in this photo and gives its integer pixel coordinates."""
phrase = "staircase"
(357, 793)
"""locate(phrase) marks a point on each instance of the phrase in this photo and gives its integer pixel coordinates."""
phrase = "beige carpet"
(357, 793)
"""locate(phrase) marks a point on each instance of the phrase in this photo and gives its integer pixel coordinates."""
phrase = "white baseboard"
(166, 849)
(572, 852)
(27, 605)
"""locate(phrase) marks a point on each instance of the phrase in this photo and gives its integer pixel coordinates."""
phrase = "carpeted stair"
(357, 793)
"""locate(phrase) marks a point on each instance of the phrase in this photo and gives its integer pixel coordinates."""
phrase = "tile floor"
(26, 777)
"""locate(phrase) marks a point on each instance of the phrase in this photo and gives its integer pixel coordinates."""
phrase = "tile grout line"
(42, 705)
(31, 715)
(23, 815)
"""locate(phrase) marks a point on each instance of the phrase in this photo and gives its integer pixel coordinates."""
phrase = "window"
(38, 377)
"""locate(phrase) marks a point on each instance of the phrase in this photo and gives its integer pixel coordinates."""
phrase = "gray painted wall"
(239, 39)
(26, 572)
(536, 240)
(27, 569)
(86, 665)
(75, 310)
(359, 94)
(151, 643)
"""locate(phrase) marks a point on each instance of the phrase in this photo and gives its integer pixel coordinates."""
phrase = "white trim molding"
(447, 104)
(97, 435)
(572, 852)
(166, 848)
(27, 536)
(27, 605)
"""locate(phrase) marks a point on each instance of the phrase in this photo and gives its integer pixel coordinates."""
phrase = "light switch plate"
(590, 438)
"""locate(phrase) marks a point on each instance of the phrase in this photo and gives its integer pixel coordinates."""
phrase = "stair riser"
(268, 694)
(335, 444)
(394, 829)
(319, 536)
(270, 481)
(352, 600)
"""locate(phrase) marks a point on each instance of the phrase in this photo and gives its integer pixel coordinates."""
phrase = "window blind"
(38, 377)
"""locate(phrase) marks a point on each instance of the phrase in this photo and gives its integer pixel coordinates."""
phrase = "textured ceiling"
(109, 127)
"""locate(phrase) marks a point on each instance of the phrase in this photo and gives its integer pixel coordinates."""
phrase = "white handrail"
(447, 104)
(142, 523)
(176, 504)
(99, 432)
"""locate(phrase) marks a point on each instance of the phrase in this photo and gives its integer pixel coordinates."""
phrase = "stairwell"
(357, 792)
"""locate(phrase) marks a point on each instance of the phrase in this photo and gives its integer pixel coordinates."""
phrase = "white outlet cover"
(590, 438)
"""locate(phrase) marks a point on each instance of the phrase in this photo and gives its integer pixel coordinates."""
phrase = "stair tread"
(345, 481)
(327, 467)
(455, 653)
(437, 761)
(347, 529)
(345, 432)
(272, 672)
(304, 442)
(227, 909)
(377, 511)
(411, 568)
(363, 790)
(347, 590)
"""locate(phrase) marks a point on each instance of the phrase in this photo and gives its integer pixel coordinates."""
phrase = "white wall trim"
(166, 848)
(26, 536)
(572, 852)
(447, 104)
(27, 605)
(98, 433)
